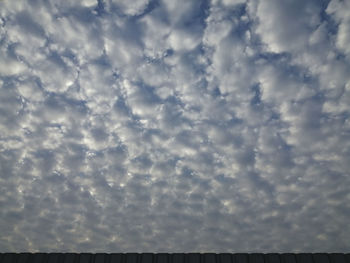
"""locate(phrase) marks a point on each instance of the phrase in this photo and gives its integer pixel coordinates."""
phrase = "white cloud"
(285, 25)
(127, 7)
(89, 3)
(338, 9)
(182, 40)
(122, 122)
(233, 2)
(12, 67)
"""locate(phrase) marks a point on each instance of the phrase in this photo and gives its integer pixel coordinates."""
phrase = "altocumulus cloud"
(161, 125)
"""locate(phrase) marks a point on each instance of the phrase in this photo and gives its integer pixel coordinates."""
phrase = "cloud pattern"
(175, 126)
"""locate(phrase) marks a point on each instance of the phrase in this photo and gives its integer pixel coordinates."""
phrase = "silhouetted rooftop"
(173, 258)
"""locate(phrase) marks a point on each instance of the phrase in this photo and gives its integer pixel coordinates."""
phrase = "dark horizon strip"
(174, 258)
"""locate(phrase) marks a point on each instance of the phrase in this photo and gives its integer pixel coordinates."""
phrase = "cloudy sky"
(174, 126)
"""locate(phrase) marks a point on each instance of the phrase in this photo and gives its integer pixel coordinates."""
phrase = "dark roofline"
(174, 258)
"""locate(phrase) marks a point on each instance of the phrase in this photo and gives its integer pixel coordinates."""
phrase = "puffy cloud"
(337, 10)
(126, 7)
(174, 126)
(285, 25)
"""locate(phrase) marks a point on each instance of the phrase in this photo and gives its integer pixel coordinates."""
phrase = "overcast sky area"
(174, 126)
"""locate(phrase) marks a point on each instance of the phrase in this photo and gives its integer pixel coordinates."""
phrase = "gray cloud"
(209, 126)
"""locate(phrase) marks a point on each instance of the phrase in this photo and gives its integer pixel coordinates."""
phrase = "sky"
(174, 126)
